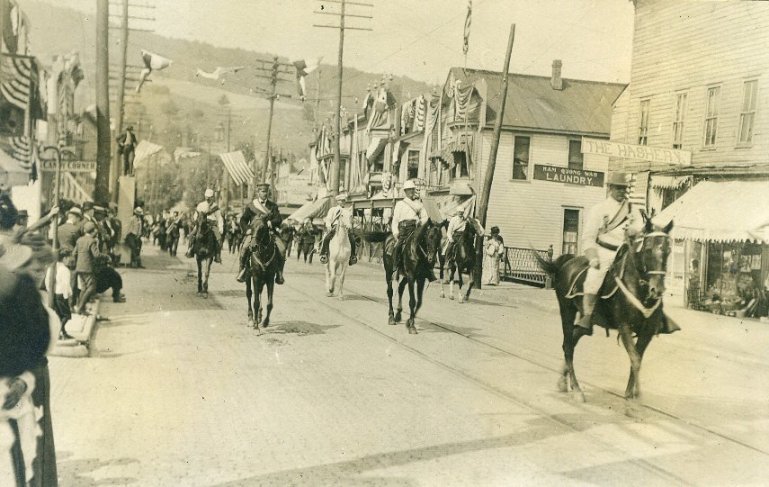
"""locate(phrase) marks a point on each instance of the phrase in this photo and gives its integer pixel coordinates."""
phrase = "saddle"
(575, 270)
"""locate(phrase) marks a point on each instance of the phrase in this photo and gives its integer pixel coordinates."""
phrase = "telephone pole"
(103, 135)
(342, 14)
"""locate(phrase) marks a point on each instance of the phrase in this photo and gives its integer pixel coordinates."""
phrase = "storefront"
(721, 228)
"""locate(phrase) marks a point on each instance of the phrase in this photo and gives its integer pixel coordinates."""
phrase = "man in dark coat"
(126, 144)
(68, 235)
(262, 208)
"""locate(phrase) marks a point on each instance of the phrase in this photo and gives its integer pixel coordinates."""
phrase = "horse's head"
(651, 251)
(433, 237)
(261, 230)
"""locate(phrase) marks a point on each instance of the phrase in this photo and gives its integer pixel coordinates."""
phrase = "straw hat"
(13, 256)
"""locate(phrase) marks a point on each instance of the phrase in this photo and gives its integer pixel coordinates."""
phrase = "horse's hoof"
(391, 321)
(205, 295)
(562, 385)
(443, 295)
(265, 324)
(329, 294)
(451, 297)
(413, 330)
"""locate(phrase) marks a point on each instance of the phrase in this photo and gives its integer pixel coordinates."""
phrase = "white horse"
(339, 251)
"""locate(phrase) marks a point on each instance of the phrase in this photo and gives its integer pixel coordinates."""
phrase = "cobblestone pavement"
(179, 391)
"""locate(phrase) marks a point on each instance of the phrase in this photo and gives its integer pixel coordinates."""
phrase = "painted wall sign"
(636, 152)
(559, 174)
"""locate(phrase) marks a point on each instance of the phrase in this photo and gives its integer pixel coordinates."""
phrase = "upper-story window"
(576, 160)
(521, 158)
(711, 116)
(748, 112)
(413, 164)
(643, 127)
(678, 121)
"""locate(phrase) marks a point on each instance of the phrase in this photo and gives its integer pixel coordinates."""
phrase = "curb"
(82, 332)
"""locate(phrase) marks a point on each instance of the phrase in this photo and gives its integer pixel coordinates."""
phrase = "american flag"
(18, 79)
(466, 41)
(237, 166)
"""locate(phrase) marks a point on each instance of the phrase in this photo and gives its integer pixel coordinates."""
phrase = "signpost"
(559, 174)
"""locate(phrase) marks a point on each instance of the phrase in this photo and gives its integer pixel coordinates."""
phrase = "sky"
(421, 39)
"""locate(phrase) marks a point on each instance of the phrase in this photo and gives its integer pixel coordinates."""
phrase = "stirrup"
(241, 276)
(353, 260)
(323, 259)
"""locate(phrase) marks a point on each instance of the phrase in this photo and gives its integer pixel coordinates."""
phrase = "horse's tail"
(551, 267)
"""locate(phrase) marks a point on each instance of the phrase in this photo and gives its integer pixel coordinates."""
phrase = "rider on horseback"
(262, 208)
(213, 214)
(338, 215)
(606, 225)
(456, 229)
(407, 213)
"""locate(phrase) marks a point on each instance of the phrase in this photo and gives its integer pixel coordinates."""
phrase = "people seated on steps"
(340, 214)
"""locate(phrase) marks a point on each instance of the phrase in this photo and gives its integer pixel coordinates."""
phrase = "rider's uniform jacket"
(457, 224)
(258, 209)
(338, 215)
(408, 209)
(606, 224)
(213, 214)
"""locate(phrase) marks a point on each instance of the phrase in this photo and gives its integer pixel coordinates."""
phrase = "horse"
(461, 259)
(339, 252)
(233, 238)
(204, 250)
(263, 265)
(417, 258)
(630, 300)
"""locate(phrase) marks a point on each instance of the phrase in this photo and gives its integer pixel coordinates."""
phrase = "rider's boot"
(353, 250)
(396, 258)
(218, 256)
(189, 252)
(243, 259)
(324, 248)
(586, 321)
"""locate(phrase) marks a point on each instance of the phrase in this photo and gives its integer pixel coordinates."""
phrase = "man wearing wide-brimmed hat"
(605, 227)
(133, 237)
(338, 215)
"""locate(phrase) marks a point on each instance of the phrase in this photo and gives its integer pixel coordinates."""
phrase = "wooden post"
(103, 135)
(338, 113)
(488, 179)
(117, 167)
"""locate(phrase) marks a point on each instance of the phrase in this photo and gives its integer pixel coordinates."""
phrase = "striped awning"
(144, 150)
(237, 166)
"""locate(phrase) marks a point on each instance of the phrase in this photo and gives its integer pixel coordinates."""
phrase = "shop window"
(521, 158)
(748, 113)
(570, 231)
(711, 116)
(643, 128)
(413, 164)
(576, 160)
(678, 122)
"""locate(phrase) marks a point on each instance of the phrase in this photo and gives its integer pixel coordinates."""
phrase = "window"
(570, 231)
(575, 154)
(521, 158)
(643, 130)
(413, 164)
(342, 174)
(460, 159)
(711, 116)
(377, 165)
(678, 121)
(748, 114)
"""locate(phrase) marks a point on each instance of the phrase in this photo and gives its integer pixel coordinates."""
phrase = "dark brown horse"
(630, 300)
(417, 258)
(460, 258)
(263, 265)
(204, 249)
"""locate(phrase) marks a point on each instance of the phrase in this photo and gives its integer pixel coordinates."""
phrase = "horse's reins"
(632, 298)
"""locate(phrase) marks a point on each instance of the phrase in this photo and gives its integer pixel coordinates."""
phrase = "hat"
(617, 178)
(409, 185)
(341, 197)
(89, 226)
(87, 205)
(209, 193)
(130, 127)
(494, 230)
(13, 256)
(99, 209)
(76, 211)
(22, 214)
(263, 185)
(138, 210)
(459, 211)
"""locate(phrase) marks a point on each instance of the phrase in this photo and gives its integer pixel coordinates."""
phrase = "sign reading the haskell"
(68, 166)
(559, 174)
(636, 152)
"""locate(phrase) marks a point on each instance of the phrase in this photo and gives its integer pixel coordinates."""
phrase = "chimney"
(555, 80)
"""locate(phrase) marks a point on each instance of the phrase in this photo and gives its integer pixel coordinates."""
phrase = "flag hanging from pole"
(466, 43)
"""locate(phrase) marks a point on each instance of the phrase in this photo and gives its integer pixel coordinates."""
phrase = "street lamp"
(219, 132)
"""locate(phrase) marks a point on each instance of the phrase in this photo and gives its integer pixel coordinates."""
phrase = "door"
(570, 231)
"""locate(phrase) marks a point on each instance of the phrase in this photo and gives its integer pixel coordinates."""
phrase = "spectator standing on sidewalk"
(62, 293)
(86, 252)
(68, 235)
(495, 249)
(133, 237)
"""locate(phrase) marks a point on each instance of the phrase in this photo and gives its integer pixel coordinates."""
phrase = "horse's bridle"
(646, 311)
(642, 240)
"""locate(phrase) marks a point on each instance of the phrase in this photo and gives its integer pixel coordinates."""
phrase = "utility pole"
(103, 135)
(488, 179)
(268, 151)
(342, 14)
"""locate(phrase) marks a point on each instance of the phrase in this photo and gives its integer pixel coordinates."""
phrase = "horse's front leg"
(401, 288)
(420, 292)
(270, 289)
(208, 273)
(342, 273)
(626, 335)
(471, 283)
(200, 276)
(641, 343)
(257, 303)
(330, 278)
(452, 269)
(391, 314)
(412, 309)
(249, 293)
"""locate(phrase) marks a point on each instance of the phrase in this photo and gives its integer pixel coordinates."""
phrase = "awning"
(312, 209)
(11, 172)
(375, 147)
(443, 207)
(669, 182)
(237, 166)
(144, 150)
(731, 211)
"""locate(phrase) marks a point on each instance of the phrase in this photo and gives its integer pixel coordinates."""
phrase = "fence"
(520, 264)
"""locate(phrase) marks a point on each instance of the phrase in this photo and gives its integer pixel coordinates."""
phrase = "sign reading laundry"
(558, 174)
